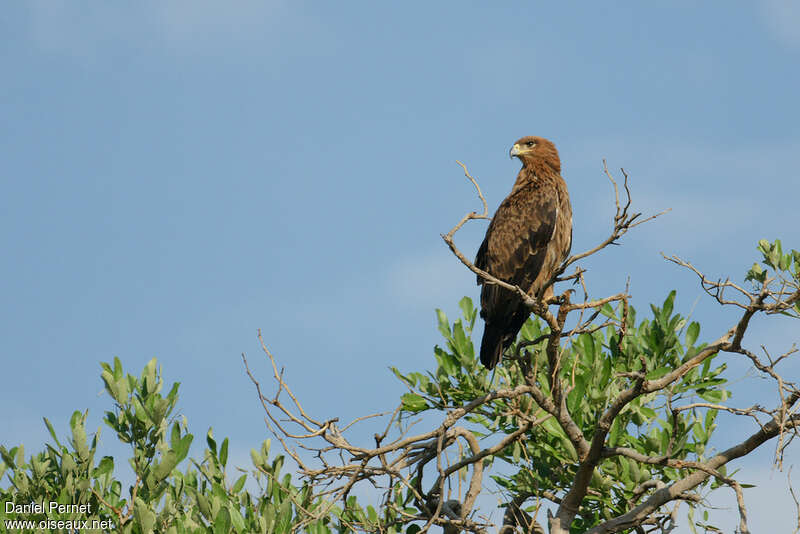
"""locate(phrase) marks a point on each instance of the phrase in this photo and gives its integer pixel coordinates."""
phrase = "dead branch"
(622, 222)
(795, 499)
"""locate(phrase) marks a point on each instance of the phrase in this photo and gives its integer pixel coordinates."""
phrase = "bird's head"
(536, 150)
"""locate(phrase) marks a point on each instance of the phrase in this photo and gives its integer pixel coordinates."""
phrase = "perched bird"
(528, 238)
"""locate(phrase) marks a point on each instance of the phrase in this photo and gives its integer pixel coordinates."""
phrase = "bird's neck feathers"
(545, 160)
(537, 169)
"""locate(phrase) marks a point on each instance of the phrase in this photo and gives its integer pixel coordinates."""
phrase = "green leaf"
(168, 462)
(173, 393)
(756, 274)
(145, 517)
(413, 403)
(699, 432)
(223, 453)
(444, 325)
(552, 427)
(469, 311)
(606, 373)
(785, 262)
(79, 434)
(711, 415)
(118, 373)
(52, 432)
(111, 386)
(175, 435)
(372, 514)
(608, 311)
(238, 521)
(691, 520)
(222, 523)
(587, 343)
(256, 458)
(668, 304)
(239, 484)
(712, 395)
(149, 380)
(531, 329)
(691, 333)
(182, 447)
(446, 361)
(614, 433)
(212, 444)
(106, 465)
(647, 412)
(576, 396)
(403, 378)
(462, 344)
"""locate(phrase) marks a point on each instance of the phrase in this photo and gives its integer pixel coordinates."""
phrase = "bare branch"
(794, 498)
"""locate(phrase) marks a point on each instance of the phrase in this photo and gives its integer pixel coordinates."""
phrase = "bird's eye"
(530, 143)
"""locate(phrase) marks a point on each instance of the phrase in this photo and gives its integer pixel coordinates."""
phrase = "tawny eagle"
(528, 238)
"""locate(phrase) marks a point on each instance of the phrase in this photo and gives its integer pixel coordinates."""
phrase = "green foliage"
(165, 498)
(773, 258)
(597, 367)
(777, 267)
(673, 422)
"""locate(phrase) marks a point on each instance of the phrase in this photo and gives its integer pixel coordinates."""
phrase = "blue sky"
(176, 175)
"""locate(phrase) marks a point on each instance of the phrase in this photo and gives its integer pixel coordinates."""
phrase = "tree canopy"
(599, 420)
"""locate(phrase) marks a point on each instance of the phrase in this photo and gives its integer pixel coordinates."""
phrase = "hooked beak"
(515, 151)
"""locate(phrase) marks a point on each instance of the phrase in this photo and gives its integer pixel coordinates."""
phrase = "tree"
(601, 413)
(74, 492)
(605, 415)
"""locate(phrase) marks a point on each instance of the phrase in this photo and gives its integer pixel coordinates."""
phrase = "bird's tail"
(492, 345)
